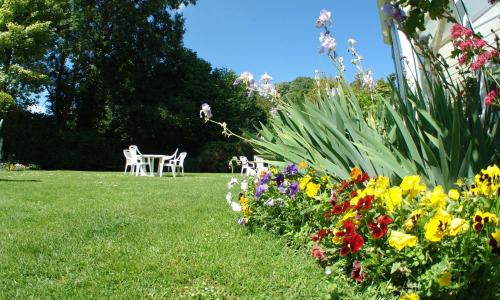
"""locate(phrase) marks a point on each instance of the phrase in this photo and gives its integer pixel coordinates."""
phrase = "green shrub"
(215, 156)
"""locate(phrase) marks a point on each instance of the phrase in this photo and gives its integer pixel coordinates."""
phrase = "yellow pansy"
(274, 170)
(337, 240)
(453, 194)
(304, 181)
(487, 183)
(415, 215)
(444, 279)
(243, 200)
(438, 226)
(436, 198)
(302, 164)
(347, 216)
(312, 189)
(399, 240)
(361, 194)
(481, 219)
(392, 198)
(496, 235)
(381, 185)
(410, 296)
(458, 225)
(411, 186)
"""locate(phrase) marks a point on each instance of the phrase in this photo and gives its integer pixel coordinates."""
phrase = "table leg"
(151, 163)
(159, 166)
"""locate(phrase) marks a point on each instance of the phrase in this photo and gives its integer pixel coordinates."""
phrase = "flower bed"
(406, 240)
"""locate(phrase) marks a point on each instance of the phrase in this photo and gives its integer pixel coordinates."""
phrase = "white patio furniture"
(174, 164)
(128, 161)
(165, 161)
(138, 163)
(246, 166)
(260, 165)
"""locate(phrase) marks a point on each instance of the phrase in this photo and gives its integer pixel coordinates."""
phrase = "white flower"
(245, 77)
(368, 81)
(244, 185)
(236, 207)
(351, 42)
(206, 112)
(228, 197)
(269, 202)
(232, 183)
(316, 75)
(324, 18)
(327, 43)
(341, 63)
(266, 78)
(267, 89)
(333, 92)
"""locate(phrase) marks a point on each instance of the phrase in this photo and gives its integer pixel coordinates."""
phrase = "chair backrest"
(244, 160)
(134, 153)
(127, 155)
(134, 150)
(175, 153)
(181, 158)
(259, 162)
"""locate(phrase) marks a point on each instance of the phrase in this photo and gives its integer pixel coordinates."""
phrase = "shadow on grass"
(19, 180)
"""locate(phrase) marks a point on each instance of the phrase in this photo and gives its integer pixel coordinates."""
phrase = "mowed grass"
(106, 235)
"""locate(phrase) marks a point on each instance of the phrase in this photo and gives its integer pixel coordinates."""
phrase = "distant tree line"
(114, 73)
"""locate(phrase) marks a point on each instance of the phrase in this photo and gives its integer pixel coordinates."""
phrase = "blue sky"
(279, 36)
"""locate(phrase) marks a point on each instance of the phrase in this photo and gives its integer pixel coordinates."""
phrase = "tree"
(25, 36)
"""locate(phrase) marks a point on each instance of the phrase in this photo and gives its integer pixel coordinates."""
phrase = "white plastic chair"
(177, 163)
(137, 162)
(128, 161)
(164, 162)
(246, 166)
(260, 165)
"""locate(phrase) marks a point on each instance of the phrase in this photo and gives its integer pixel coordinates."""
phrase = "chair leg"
(125, 172)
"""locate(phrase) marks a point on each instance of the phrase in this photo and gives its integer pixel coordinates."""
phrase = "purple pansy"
(265, 178)
(293, 189)
(261, 189)
(291, 170)
(279, 179)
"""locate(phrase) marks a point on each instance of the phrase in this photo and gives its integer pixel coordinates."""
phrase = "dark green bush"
(215, 156)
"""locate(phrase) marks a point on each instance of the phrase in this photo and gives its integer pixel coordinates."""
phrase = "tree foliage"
(25, 36)
(118, 69)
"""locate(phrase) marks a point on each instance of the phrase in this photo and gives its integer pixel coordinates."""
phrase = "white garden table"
(150, 159)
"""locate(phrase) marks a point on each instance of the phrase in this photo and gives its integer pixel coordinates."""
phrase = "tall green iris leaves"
(439, 137)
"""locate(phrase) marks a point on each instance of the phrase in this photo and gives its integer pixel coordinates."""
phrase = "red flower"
(379, 227)
(353, 242)
(365, 203)
(354, 193)
(333, 200)
(345, 185)
(365, 177)
(341, 208)
(490, 97)
(357, 273)
(320, 235)
(318, 253)
(349, 229)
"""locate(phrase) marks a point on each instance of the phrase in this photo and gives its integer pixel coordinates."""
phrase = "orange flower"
(356, 173)
(302, 165)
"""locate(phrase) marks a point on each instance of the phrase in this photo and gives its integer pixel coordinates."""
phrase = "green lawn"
(105, 235)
